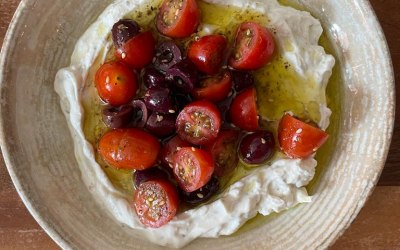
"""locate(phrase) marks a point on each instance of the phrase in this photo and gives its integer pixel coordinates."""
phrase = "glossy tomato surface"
(192, 168)
(130, 148)
(214, 89)
(156, 202)
(170, 148)
(178, 18)
(116, 84)
(138, 51)
(254, 47)
(243, 111)
(199, 122)
(298, 139)
(208, 53)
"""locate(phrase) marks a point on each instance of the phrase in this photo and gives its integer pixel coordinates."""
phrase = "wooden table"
(376, 227)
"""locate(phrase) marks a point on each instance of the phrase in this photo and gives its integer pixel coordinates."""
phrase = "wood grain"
(376, 227)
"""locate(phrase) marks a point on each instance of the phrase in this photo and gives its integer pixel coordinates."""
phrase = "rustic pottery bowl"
(38, 149)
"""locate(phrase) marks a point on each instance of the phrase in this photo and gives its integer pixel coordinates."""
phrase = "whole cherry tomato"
(254, 47)
(243, 111)
(199, 122)
(299, 139)
(178, 18)
(192, 168)
(156, 202)
(208, 53)
(130, 148)
(116, 84)
(214, 89)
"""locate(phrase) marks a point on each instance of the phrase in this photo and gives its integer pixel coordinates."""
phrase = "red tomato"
(138, 51)
(299, 139)
(178, 18)
(208, 53)
(170, 148)
(116, 83)
(199, 122)
(214, 89)
(129, 148)
(243, 111)
(156, 202)
(193, 168)
(254, 47)
(224, 152)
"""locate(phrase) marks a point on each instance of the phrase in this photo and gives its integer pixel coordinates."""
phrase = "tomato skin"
(129, 148)
(170, 148)
(255, 53)
(199, 122)
(138, 51)
(224, 152)
(116, 84)
(164, 193)
(214, 89)
(299, 139)
(208, 53)
(186, 23)
(193, 168)
(243, 111)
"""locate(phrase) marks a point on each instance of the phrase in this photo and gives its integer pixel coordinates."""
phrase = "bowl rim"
(5, 56)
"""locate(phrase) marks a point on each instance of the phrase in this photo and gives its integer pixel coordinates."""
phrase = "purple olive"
(181, 100)
(184, 75)
(257, 147)
(141, 176)
(152, 78)
(167, 55)
(159, 100)
(161, 125)
(123, 30)
(117, 117)
(202, 194)
(242, 80)
(141, 113)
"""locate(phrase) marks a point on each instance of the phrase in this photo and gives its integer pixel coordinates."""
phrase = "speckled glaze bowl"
(38, 149)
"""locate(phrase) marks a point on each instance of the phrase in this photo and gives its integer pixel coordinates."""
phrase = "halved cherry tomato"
(130, 148)
(138, 51)
(170, 148)
(214, 89)
(208, 53)
(243, 111)
(193, 168)
(224, 152)
(199, 122)
(116, 84)
(299, 139)
(156, 202)
(178, 18)
(254, 47)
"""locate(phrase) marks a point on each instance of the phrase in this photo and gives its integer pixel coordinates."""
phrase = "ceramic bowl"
(38, 149)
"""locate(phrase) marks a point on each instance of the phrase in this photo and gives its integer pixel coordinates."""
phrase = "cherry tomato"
(243, 111)
(299, 139)
(116, 83)
(178, 18)
(193, 168)
(214, 89)
(138, 51)
(156, 202)
(129, 148)
(208, 53)
(224, 153)
(170, 148)
(254, 47)
(199, 122)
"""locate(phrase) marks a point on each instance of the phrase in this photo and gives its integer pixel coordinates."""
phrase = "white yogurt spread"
(268, 189)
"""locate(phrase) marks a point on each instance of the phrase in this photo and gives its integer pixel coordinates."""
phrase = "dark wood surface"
(376, 227)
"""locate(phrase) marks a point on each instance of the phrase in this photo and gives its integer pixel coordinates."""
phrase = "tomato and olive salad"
(182, 115)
